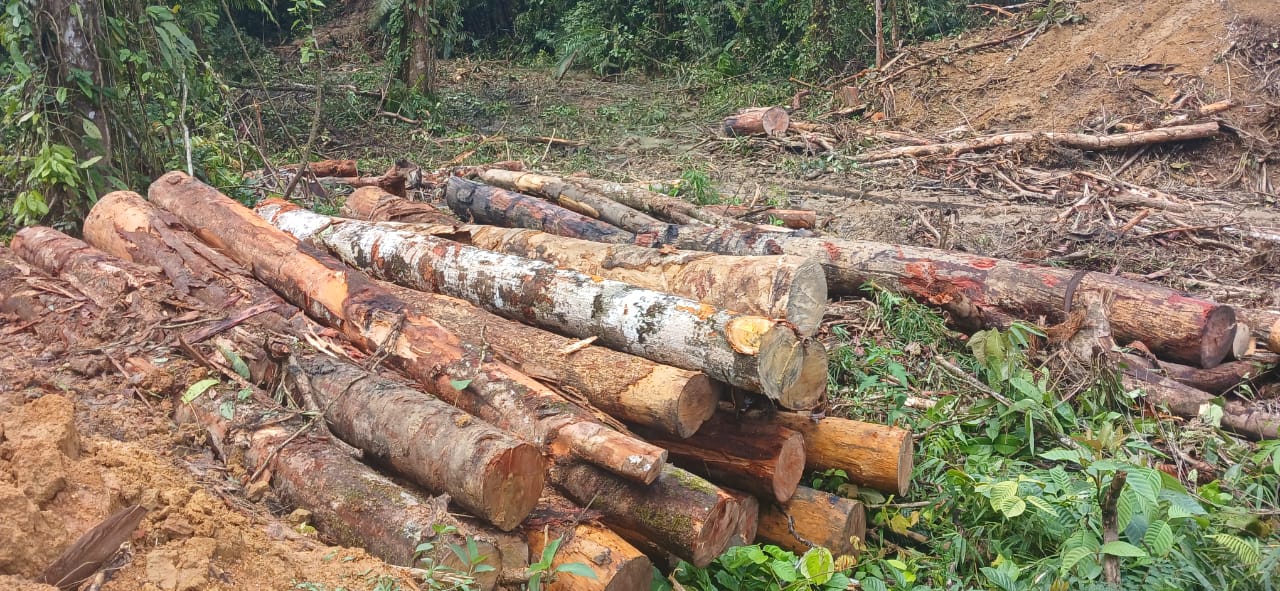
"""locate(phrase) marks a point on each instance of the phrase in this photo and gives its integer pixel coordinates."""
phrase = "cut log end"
(807, 297)
(1243, 345)
(697, 401)
(1218, 336)
(1273, 338)
(906, 464)
(790, 468)
(511, 488)
(721, 526)
(616, 564)
(793, 369)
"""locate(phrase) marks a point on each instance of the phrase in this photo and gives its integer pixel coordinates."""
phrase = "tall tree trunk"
(420, 72)
(72, 41)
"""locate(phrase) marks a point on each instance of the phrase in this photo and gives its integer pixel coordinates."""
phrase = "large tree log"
(1217, 380)
(748, 509)
(573, 198)
(1079, 141)
(783, 287)
(381, 324)
(488, 472)
(758, 121)
(983, 292)
(814, 518)
(876, 456)
(762, 458)
(483, 204)
(751, 352)
(681, 512)
(615, 564)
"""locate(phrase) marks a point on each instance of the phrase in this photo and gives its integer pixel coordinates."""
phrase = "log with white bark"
(751, 352)
(1079, 141)
(381, 324)
(789, 288)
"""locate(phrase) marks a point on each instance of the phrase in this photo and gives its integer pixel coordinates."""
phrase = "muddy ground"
(79, 442)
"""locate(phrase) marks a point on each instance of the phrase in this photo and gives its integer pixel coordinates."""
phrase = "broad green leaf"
(785, 571)
(1119, 548)
(1146, 483)
(577, 569)
(243, 394)
(91, 129)
(1062, 455)
(1159, 538)
(198, 388)
(1073, 556)
(873, 584)
(1246, 552)
(227, 409)
(817, 565)
(459, 384)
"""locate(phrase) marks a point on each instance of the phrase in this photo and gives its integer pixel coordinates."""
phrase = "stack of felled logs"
(500, 384)
(1184, 351)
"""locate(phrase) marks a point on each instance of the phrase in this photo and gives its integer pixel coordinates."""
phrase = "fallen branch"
(1078, 141)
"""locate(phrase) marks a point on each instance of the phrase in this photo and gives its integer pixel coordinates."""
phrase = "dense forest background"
(98, 95)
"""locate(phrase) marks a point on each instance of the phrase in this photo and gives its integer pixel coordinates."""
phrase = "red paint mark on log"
(1181, 300)
(984, 264)
(1049, 279)
(833, 252)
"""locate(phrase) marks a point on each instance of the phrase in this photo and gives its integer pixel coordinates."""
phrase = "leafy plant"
(765, 568)
(543, 569)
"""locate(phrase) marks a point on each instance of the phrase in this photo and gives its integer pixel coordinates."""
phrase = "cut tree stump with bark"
(751, 352)
(763, 458)
(813, 518)
(783, 287)
(1079, 141)
(574, 198)
(488, 472)
(383, 325)
(473, 201)
(982, 292)
(769, 121)
(874, 456)
(680, 511)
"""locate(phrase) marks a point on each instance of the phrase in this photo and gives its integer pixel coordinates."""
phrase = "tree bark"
(1078, 141)
(789, 288)
(1218, 380)
(420, 70)
(574, 198)
(381, 324)
(375, 205)
(875, 456)
(751, 352)
(485, 204)
(748, 509)
(488, 472)
(814, 518)
(665, 207)
(762, 458)
(680, 512)
(758, 121)
(985, 292)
